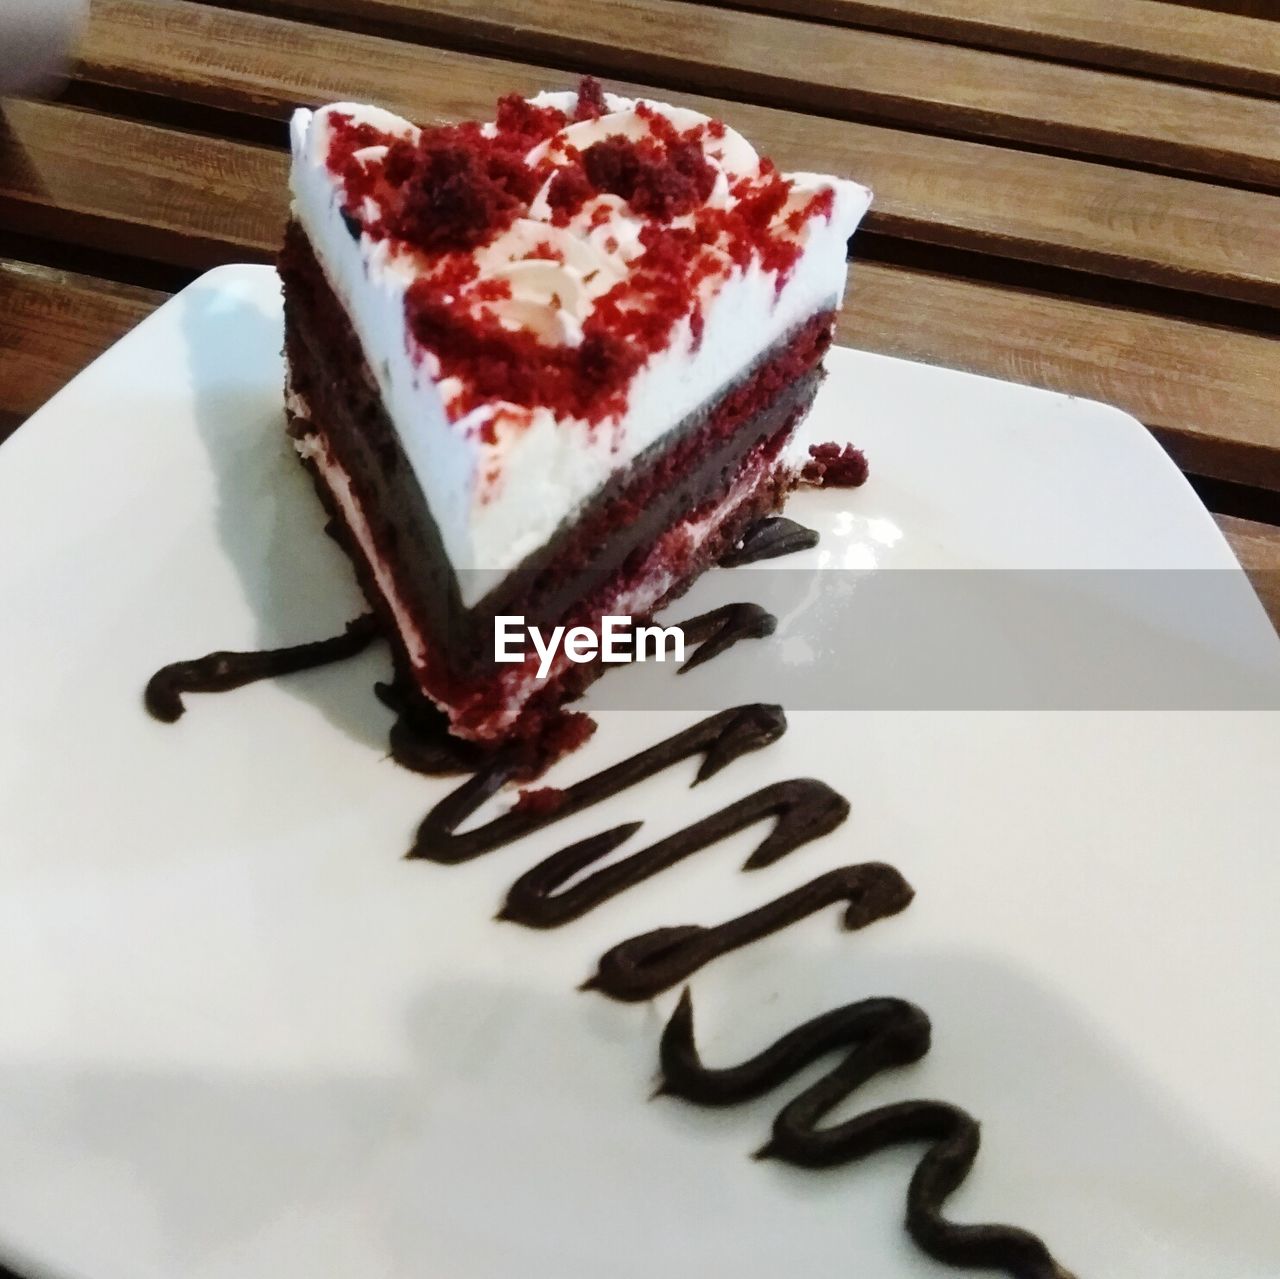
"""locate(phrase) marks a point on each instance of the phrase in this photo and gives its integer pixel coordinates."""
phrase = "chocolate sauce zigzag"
(805, 810)
(648, 964)
(719, 739)
(769, 538)
(880, 1034)
(223, 671)
(719, 630)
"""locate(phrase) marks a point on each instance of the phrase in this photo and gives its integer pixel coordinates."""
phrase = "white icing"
(496, 501)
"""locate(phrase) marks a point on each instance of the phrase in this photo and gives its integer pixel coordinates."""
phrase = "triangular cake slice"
(546, 367)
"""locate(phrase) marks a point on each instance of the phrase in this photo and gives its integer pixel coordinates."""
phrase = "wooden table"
(1079, 194)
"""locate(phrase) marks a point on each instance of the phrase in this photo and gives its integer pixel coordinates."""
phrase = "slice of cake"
(546, 367)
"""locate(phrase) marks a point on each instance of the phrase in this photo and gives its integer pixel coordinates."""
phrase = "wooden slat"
(1042, 209)
(1210, 393)
(844, 72)
(1257, 547)
(1144, 36)
(115, 185)
(1244, 8)
(53, 323)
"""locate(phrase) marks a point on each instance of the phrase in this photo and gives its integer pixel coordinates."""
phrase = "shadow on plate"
(295, 579)
(515, 1133)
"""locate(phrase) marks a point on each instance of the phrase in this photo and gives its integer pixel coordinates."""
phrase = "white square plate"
(241, 1038)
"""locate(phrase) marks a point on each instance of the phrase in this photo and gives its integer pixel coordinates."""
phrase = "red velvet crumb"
(539, 801)
(347, 137)
(697, 323)
(446, 196)
(546, 736)
(570, 189)
(660, 183)
(591, 104)
(452, 187)
(495, 363)
(834, 467)
(545, 251)
(561, 735)
(521, 125)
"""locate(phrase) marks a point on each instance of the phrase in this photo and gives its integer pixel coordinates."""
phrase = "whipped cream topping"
(608, 352)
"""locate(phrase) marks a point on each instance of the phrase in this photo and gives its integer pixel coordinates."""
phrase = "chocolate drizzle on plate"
(805, 809)
(720, 629)
(644, 966)
(221, 672)
(719, 739)
(767, 539)
(879, 1034)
